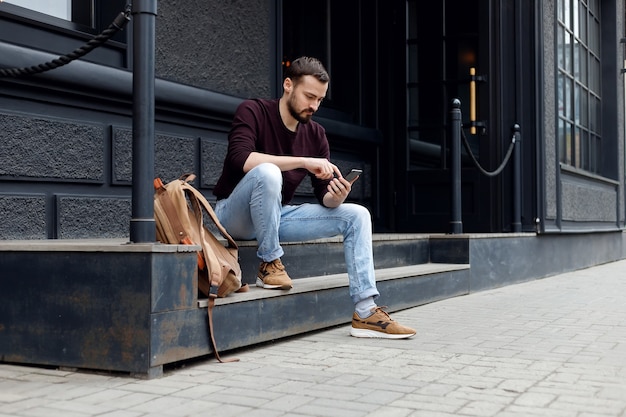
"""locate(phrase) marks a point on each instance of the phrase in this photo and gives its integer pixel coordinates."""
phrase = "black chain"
(118, 24)
(480, 168)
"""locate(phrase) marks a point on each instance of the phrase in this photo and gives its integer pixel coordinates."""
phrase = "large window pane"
(561, 94)
(577, 104)
(594, 76)
(561, 138)
(596, 153)
(576, 28)
(578, 51)
(582, 62)
(583, 22)
(562, 49)
(584, 109)
(586, 151)
(594, 36)
(577, 148)
(579, 83)
(568, 52)
(597, 115)
(568, 144)
(568, 99)
(56, 8)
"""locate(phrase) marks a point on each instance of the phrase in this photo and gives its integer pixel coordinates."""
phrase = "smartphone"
(353, 174)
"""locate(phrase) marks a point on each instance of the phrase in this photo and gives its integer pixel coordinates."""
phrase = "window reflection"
(57, 8)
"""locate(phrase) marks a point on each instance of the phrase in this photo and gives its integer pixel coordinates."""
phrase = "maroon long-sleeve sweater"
(257, 127)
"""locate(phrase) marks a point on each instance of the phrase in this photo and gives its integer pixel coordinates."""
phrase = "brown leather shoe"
(379, 325)
(272, 275)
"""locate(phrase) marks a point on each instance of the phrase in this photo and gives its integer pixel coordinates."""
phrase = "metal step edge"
(304, 285)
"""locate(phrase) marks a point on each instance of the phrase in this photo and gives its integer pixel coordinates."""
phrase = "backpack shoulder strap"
(198, 202)
(209, 209)
(210, 313)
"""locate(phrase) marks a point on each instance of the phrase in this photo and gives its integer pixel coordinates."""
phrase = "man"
(272, 146)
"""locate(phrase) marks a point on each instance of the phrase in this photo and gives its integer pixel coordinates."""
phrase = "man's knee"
(358, 210)
(358, 213)
(269, 175)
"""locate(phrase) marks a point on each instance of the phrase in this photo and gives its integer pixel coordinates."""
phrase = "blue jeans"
(254, 211)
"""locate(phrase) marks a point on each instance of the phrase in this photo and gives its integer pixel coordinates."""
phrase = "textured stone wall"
(47, 149)
(549, 114)
(219, 45)
(23, 217)
(72, 162)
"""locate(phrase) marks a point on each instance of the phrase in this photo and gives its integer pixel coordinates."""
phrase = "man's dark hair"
(306, 66)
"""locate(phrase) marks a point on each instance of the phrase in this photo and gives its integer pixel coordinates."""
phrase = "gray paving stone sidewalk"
(551, 347)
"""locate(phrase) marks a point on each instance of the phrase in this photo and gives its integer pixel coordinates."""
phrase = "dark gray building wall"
(575, 200)
(223, 46)
(66, 135)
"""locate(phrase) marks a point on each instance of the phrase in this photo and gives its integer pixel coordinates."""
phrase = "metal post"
(456, 223)
(517, 181)
(142, 225)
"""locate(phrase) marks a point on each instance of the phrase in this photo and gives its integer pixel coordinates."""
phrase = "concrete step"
(326, 282)
(110, 305)
(261, 315)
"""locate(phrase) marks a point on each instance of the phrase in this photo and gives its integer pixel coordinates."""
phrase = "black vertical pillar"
(517, 181)
(142, 225)
(456, 224)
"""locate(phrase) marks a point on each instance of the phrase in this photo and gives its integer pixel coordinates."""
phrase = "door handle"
(474, 123)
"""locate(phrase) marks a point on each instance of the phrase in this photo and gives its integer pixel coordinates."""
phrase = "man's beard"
(300, 117)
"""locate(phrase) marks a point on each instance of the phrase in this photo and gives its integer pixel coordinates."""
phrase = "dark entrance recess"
(447, 54)
(396, 66)
(480, 52)
(336, 33)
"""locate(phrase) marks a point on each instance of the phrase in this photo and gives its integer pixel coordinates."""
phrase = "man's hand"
(338, 190)
(322, 168)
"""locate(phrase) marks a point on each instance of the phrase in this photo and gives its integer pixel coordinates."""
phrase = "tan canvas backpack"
(178, 214)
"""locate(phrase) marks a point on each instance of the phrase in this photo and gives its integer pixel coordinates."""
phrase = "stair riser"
(310, 260)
